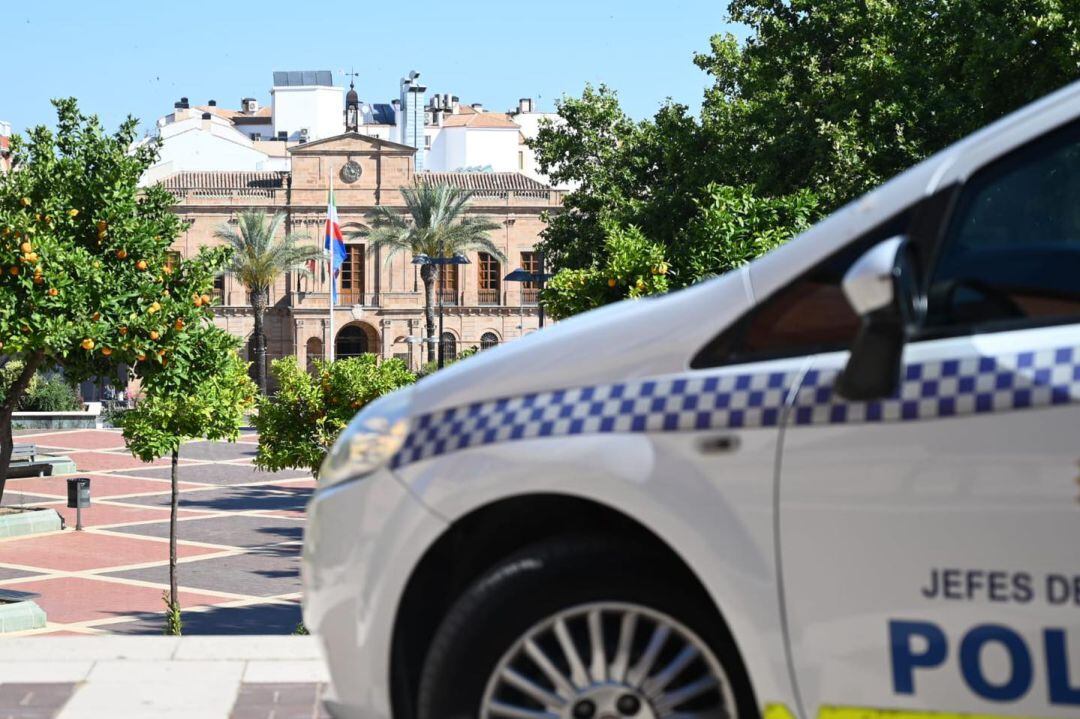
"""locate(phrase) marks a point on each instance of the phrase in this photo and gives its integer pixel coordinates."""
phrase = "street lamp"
(523, 275)
(455, 259)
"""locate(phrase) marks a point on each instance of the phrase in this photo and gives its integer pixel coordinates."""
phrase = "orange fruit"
(141, 357)
(106, 351)
(123, 331)
(26, 202)
(14, 271)
(73, 212)
(39, 280)
(155, 307)
(161, 353)
(96, 316)
(167, 270)
(88, 344)
(102, 225)
(140, 265)
(1, 345)
(154, 334)
(196, 300)
(611, 282)
(26, 248)
(179, 324)
(121, 254)
(206, 299)
(53, 292)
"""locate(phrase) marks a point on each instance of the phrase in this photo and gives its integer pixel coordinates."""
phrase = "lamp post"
(439, 261)
(523, 276)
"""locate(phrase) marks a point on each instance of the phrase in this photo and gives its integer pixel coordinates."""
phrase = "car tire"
(582, 582)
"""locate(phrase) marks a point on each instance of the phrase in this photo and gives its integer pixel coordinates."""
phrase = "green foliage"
(825, 100)
(9, 372)
(734, 225)
(83, 257)
(298, 425)
(174, 624)
(54, 394)
(433, 366)
(630, 267)
(202, 394)
(301, 630)
(260, 256)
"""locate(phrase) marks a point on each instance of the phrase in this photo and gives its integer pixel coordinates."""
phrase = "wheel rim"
(608, 660)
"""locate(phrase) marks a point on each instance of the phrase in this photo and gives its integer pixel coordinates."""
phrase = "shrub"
(54, 394)
(298, 425)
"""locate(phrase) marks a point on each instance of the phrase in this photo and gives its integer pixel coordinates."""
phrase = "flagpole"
(330, 265)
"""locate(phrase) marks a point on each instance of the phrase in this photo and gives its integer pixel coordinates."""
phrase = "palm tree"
(434, 224)
(260, 257)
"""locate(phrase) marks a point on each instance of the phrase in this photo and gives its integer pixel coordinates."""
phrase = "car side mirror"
(881, 288)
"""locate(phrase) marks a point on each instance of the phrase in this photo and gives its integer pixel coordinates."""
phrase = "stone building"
(381, 300)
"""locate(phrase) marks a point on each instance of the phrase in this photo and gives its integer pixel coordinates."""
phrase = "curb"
(19, 616)
(32, 521)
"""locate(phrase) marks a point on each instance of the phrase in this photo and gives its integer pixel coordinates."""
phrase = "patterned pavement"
(240, 533)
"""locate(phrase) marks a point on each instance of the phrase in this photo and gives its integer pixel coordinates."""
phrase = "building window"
(427, 142)
(488, 281)
(219, 289)
(449, 347)
(352, 276)
(351, 342)
(530, 262)
(488, 340)
(172, 260)
(448, 277)
(521, 159)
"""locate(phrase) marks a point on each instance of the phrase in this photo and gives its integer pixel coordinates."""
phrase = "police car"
(838, 483)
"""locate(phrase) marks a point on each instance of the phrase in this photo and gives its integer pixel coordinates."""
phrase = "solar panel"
(296, 78)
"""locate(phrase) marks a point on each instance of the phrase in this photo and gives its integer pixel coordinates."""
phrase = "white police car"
(839, 483)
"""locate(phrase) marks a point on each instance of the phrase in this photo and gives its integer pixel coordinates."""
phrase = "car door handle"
(718, 444)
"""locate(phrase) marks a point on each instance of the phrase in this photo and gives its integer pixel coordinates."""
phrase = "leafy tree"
(631, 267)
(298, 425)
(434, 224)
(203, 394)
(260, 257)
(823, 101)
(86, 284)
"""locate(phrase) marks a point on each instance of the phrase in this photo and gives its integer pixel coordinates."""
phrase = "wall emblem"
(351, 171)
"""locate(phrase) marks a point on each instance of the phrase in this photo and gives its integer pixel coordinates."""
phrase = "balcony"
(449, 298)
(487, 297)
(530, 295)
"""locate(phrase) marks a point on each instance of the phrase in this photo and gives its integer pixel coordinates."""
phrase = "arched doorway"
(314, 351)
(351, 341)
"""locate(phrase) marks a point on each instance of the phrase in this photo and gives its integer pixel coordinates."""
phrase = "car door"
(930, 540)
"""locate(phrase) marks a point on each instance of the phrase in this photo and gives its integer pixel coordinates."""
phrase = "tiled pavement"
(176, 677)
(240, 531)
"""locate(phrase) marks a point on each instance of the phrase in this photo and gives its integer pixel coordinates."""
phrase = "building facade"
(381, 299)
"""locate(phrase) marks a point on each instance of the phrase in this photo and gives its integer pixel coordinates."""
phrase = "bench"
(26, 452)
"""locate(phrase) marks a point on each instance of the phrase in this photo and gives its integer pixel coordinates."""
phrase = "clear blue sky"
(120, 57)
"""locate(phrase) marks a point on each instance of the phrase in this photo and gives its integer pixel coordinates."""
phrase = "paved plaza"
(178, 677)
(240, 533)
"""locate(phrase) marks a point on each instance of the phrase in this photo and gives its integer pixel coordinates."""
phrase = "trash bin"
(78, 490)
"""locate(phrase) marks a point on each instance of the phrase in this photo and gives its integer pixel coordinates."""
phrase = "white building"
(306, 106)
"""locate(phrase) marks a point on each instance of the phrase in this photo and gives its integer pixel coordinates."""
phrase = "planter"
(59, 420)
(19, 613)
(17, 522)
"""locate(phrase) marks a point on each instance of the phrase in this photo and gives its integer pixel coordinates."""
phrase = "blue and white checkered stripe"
(928, 390)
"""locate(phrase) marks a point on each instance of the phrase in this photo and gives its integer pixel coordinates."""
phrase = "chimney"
(478, 107)
(212, 103)
(525, 104)
(455, 104)
(184, 100)
(207, 116)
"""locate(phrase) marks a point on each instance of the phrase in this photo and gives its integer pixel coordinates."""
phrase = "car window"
(1011, 253)
(808, 315)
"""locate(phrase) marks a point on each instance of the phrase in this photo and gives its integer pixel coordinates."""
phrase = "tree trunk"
(11, 400)
(428, 274)
(258, 307)
(174, 594)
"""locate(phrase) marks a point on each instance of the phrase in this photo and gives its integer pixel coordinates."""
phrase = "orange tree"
(298, 425)
(202, 394)
(86, 283)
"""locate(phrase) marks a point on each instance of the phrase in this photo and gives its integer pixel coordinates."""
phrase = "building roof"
(485, 120)
(261, 115)
(217, 181)
(298, 78)
(483, 182)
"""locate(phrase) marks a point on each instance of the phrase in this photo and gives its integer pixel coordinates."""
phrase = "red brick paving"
(79, 599)
(102, 486)
(96, 461)
(82, 551)
(99, 514)
(83, 439)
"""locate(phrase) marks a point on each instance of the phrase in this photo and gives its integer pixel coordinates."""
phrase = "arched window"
(449, 347)
(351, 342)
(489, 340)
(314, 351)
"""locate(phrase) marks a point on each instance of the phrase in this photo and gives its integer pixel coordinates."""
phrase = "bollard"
(78, 496)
